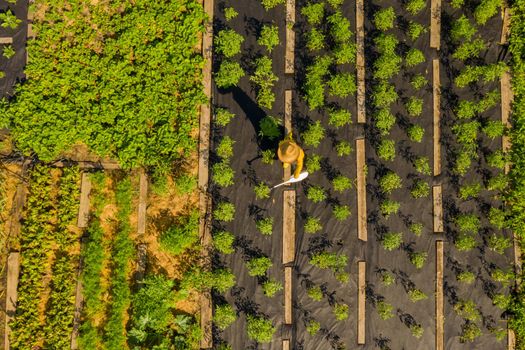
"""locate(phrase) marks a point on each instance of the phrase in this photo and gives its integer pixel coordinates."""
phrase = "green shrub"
(415, 30)
(316, 194)
(387, 150)
(472, 74)
(416, 330)
(501, 301)
(387, 278)
(260, 329)
(497, 159)
(222, 280)
(418, 81)
(469, 332)
(224, 211)
(386, 66)
(465, 242)
(270, 4)
(341, 212)
(341, 311)
(384, 19)
(457, 3)
(390, 182)
(265, 79)
(269, 37)
(463, 162)
(265, 226)
(420, 189)
(497, 218)
(415, 6)
(418, 259)
(502, 276)
(499, 243)
(462, 29)
(228, 42)
(223, 116)
(230, 13)
(8, 51)
(225, 148)
(339, 27)
(498, 182)
(314, 86)
(315, 293)
(314, 134)
(343, 148)
(314, 13)
(414, 106)
(270, 127)
(341, 183)
(384, 121)
(466, 132)
(316, 40)
(332, 261)
(416, 133)
(466, 109)
(494, 128)
(185, 183)
(384, 95)
(470, 190)
(224, 346)
(342, 85)
(224, 316)
(9, 20)
(223, 242)
(223, 174)
(342, 277)
(345, 53)
(468, 223)
(384, 310)
(262, 191)
(389, 207)
(268, 156)
(184, 234)
(271, 287)
(486, 10)
(466, 277)
(313, 163)
(416, 228)
(392, 241)
(258, 266)
(422, 165)
(312, 327)
(312, 225)
(416, 295)
(340, 117)
(229, 74)
(469, 49)
(386, 44)
(414, 57)
(335, 3)
(468, 310)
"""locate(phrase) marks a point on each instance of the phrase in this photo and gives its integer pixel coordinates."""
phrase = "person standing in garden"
(290, 152)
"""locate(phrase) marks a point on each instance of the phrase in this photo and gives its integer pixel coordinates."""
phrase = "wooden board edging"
(436, 97)
(288, 295)
(83, 209)
(362, 232)
(440, 319)
(360, 60)
(288, 226)
(143, 199)
(11, 294)
(290, 38)
(361, 303)
(437, 199)
(435, 24)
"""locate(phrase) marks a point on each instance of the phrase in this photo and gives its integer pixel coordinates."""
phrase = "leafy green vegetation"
(384, 310)
(314, 134)
(265, 226)
(387, 150)
(343, 148)
(260, 329)
(341, 212)
(229, 74)
(224, 211)
(315, 293)
(258, 266)
(341, 311)
(312, 327)
(184, 234)
(269, 37)
(389, 207)
(316, 194)
(384, 19)
(262, 191)
(390, 182)
(312, 225)
(271, 287)
(224, 316)
(264, 79)
(223, 174)
(223, 242)
(341, 183)
(392, 241)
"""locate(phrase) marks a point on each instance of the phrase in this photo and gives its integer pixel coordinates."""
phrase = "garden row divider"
(143, 197)
(6, 40)
(286, 344)
(288, 226)
(288, 295)
(79, 300)
(361, 303)
(287, 172)
(83, 209)
(360, 60)
(506, 105)
(435, 24)
(290, 38)
(437, 197)
(511, 339)
(440, 320)
(206, 307)
(436, 97)
(505, 27)
(13, 271)
(361, 190)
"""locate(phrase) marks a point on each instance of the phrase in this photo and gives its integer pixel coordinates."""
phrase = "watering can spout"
(292, 179)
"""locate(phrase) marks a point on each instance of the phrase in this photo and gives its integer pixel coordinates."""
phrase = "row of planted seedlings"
(479, 265)
(49, 256)
(247, 215)
(400, 206)
(11, 25)
(323, 114)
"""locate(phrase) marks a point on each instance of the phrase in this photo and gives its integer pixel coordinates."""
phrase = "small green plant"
(224, 346)
(499, 333)
(420, 189)
(269, 127)
(494, 128)
(312, 225)
(414, 57)
(416, 295)
(343, 148)
(269, 37)
(341, 212)
(418, 81)
(470, 190)
(228, 42)
(497, 159)
(389, 207)
(473, 73)
(422, 165)
(387, 66)
(384, 95)
(387, 150)
(469, 332)
(335, 3)
(392, 241)
(342, 85)
(314, 134)
(316, 194)
(384, 121)
(457, 3)
(230, 13)
(466, 277)
(313, 163)
(316, 40)
(312, 327)
(224, 316)
(390, 182)
(499, 243)
(314, 13)
(467, 223)
(9, 20)
(259, 328)
(268, 156)
(314, 85)
(265, 226)
(469, 49)
(259, 266)
(418, 259)
(415, 6)
(462, 29)
(416, 228)
(315, 293)
(415, 133)
(223, 242)
(463, 162)
(342, 277)
(332, 261)
(468, 310)
(498, 183)
(339, 27)
(341, 183)
(340, 117)
(262, 191)
(225, 148)
(224, 211)
(341, 311)
(265, 79)
(384, 310)
(415, 30)
(414, 106)
(502, 276)
(384, 19)
(497, 217)
(181, 236)
(466, 133)
(271, 287)
(185, 183)
(229, 74)
(223, 174)
(501, 301)
(8, 51)
(270, 4)
(345, 53)
(416, 330)
(386, 44)
(223, 116)
(465, 242)
(387, 278)
(486, 10)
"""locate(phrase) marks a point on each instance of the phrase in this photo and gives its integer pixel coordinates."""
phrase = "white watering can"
(301, 177)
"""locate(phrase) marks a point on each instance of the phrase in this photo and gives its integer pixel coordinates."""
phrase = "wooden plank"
(436, 96)
(83, 209)
(11, 293)
(437, 195)
(30, 32)
(360, 60)
(288, 295)
(505, 27)
(511, 339)
(286, 344)
(290, 37)
(440, 320)
(106, 165)
(435, 24)
(361, 303)
(79, 301)
(288, 226)
(288, 109)
(362, 233)
(506, 105)
(6, 40)
(143, 199)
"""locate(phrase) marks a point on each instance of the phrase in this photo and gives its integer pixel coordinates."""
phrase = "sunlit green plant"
(416, 295)
(315, 293)
(341, 212)
(312, 225)
(343, 148)
(416, 228)
(342, 85)
(384, 310)
(223, 242)
(466, 277)
(228, 42)
(390, 182)
(340, 311)
(258, 266)
(265, 226)
(312, 327)
(223, 174)
(384, 121)
(341, 183)
(224, 211)
(230, 13)
(225, 147)
(314, 134)
(392, 241)
(389, 207)
(387, 150)
(384, 19)
(339, 117)
(229, 74)
(271, 287)
(269, 37)
(415, 6)
(316, 40)
(262, 191)
(499, 243)
(415, 133)
(316, 194)
(414, 106)
(313, 163)
(223, 116)
(415, 30)
(314, 13)
(418, 259)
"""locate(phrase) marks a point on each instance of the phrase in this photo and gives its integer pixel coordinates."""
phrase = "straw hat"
(288, 151)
